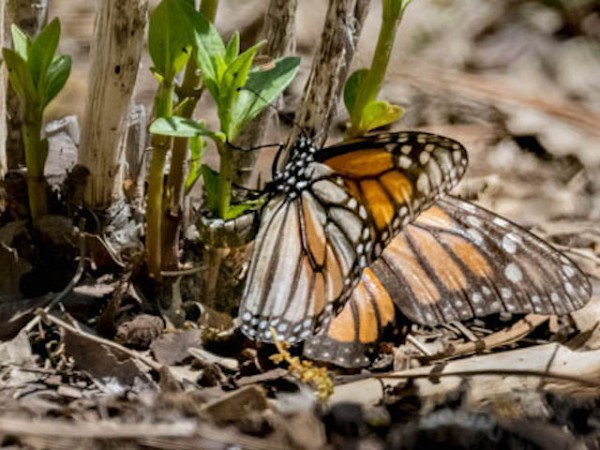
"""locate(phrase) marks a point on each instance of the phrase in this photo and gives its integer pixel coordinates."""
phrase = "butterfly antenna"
(274, 108)
(282, 147)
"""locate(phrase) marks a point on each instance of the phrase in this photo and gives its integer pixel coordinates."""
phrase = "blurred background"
(518, 82)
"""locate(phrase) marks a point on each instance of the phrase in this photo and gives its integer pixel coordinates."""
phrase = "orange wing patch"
(398, 186)
(362, 163)
(378, 202)
(399, 257)
(346, 338)
(442, 264)
(469, 255)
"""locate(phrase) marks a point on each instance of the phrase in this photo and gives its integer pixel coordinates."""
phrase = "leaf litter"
(101, 367)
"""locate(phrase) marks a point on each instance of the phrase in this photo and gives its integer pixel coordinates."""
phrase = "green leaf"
(213, 88)
(55, 79)
(177, 126)
(170, 36)
(157, 75)
(208, 45)
(352, 88)
(19, 75)
(233, 48)
(197, 147)
(238, 209)
(233, 79)
(262, 88)
(378, 114)
(178, 110)
(211, 187)
(21, 42)
(42, 50)
(236, 75)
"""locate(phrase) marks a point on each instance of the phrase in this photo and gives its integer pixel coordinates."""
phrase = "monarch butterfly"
(454, 262)
(330, 214)
(329, 217)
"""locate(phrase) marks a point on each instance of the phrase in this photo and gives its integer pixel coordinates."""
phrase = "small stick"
(507, 336)
(466, 332)
(490, 372)
(182, 272)
(420, 347)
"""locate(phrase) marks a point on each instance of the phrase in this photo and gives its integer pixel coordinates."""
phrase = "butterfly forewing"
(396, 175)
(330, 218)
(307, 255)
(458, 260)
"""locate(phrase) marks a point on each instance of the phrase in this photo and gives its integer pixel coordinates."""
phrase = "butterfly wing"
(331, 218)
(458, 261)
(307, 255)
(345, 340)
(396, 176)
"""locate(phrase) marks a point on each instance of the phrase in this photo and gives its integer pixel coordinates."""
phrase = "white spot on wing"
(510, 242)
(568, 271)
(474, 221)
(475, 235)
(513, 273)
(569, 288)
(405, 162)
(423, 183)
(500, 222)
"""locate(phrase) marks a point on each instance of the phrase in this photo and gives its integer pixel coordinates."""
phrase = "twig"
(68, 289)
(579, 252)
(95, 429)
(487, 372)
(79, 332)
(420, 347)
(182, 272)
(516, 332)
(466, 332)
(331, 64)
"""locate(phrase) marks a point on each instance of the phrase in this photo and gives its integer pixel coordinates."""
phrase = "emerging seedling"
(37, 75)
(178, 32)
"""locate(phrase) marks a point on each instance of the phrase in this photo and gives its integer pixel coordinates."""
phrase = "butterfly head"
(294, 177)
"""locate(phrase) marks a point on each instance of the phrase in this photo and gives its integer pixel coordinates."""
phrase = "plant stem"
(154, 211)
(209, 9)
(176, 180)
(191, 90)
(35, 157)
(225, 180)
(371, 85)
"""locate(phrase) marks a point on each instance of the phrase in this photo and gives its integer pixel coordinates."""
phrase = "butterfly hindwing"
(330, 217)
(345, 340)
(458, 261)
